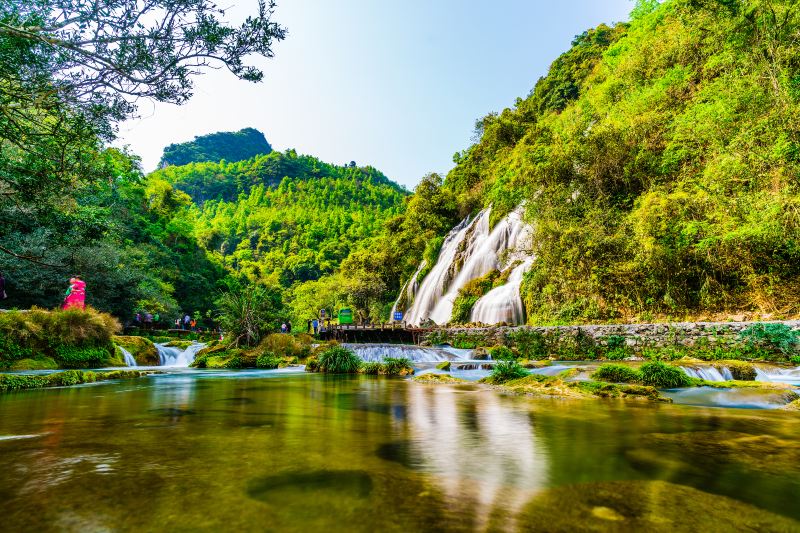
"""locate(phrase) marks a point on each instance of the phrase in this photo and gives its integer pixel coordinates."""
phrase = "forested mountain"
(225, 145)
(283, 217)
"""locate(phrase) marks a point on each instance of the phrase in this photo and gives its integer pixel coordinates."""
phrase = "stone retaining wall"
(636, 336)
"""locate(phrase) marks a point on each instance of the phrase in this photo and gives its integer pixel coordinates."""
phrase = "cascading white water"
(433, 286)
(417, 354)
(778, 375)
(503, 303)
(129, 360)
(708, 373)
(174, 356)
(470, 251)
(409, 289)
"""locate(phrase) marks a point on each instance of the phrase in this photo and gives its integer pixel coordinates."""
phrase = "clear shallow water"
(283, 450)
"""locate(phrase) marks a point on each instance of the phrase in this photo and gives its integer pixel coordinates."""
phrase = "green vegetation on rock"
(14, 382)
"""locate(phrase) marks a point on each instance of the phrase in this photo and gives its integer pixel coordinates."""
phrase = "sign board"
(398, 316)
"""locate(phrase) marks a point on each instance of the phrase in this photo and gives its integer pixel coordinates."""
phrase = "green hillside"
(283, 217)
(659, 160)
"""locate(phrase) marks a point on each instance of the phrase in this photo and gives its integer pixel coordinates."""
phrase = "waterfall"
(471, 250)
(503, 303)
(433, 286)
(174, 356)
(417, 354)
(129, 360)
(778, 375)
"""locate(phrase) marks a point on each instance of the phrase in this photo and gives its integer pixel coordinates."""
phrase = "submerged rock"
(653, 506)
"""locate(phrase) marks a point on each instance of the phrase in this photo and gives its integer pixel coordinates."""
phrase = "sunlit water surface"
(283, 450)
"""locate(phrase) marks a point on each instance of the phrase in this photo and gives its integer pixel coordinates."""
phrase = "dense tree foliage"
(286, 220)
(227, 145)
(659, 161)
(68, 204)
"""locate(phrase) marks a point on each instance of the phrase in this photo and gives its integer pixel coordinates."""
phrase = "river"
(284, 450)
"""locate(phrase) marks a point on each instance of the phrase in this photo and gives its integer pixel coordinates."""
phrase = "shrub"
(502, 353)
(396, 366)
(285, 345)
(247, 314)
(312, 364)
(508, 370)
(662, 375)
(617, 374)
(779, 337)
(338, 360)
(373, 368)
(235, 362)
(268, 360)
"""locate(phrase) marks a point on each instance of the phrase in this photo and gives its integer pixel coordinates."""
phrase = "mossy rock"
(444, 365)
(654, 506)
(179, 344)
(143, 350)
(527, 363)
(438, 378)
(740, 370)
(792, 406)
(39, 363)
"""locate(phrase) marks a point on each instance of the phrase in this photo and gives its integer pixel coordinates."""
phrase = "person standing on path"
(3, 294)
(186, 320)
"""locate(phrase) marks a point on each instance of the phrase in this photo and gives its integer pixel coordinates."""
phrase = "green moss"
(444, 365)
(506, 371)
(182, 344)
(438, 378)
(82, 356)
(42, 363)
(15, 382)
(528, 343)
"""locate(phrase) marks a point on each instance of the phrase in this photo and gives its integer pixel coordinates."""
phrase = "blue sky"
(396, 85)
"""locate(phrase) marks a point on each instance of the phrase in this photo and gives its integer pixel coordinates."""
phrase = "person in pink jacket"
(76, 294)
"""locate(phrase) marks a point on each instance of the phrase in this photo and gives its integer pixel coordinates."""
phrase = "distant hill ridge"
(230, 146)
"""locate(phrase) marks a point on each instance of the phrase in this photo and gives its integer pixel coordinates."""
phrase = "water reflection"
(484, 454)
(253, 451)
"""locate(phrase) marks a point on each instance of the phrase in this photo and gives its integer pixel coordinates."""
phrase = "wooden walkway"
(383, 333)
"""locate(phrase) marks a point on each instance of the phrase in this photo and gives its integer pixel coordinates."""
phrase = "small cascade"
(778, 375)
(503, 303)
(708, 373)
(471, 250)
(174, 356)
(417, 354)
(129, 360)
(409, 290)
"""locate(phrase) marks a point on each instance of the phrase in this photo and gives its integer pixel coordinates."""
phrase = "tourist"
(289, 326)
(193, 324)
(76, 294)
(148, 321)
(156, 319)
(308, 326)
(138, 319)
(186, 320)
(283, 327)
(178, 323)
(315, 326)
(3, 294)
